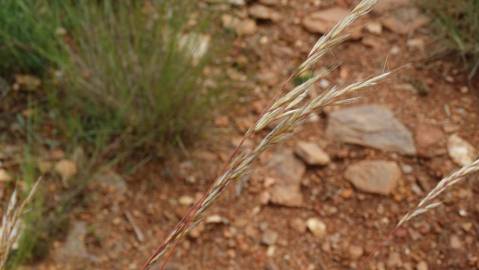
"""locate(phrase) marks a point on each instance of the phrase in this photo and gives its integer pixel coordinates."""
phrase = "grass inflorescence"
(286, 113)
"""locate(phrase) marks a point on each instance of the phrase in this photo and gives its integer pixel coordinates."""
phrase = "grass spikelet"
(427, 203)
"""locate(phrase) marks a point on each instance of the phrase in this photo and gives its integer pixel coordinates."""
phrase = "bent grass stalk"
(287, 112)
(426, 204)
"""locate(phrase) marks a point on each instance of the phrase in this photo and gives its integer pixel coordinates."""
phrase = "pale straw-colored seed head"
(285, 114)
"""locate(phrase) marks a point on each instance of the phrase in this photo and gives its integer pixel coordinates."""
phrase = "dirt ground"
(119, 225)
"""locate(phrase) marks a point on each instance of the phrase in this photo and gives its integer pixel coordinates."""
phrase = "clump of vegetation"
(458, 21)
(28, 36)
(134, 74)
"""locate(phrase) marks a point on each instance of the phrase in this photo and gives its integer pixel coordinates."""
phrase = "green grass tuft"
(28, 35)
(458, 21)
(135, 74)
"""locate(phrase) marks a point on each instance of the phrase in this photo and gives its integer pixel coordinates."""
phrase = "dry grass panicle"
(286, 113)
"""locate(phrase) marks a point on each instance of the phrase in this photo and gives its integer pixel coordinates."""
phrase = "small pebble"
(422, 265)
(269, 237)
(317, 227)
(186, 200)
(4, 176)
(456, 242)
(355, 252)
(407, 169)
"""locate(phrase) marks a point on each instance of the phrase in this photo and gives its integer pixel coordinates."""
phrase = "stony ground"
(327, 197)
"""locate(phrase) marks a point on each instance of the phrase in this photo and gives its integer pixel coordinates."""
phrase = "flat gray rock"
(288, 171)
(312, 154)
(74, 249)
(376, 176)
(371, 125)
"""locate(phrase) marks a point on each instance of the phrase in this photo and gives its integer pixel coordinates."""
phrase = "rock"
(186, 200)
(316, 227)
(298, 225)
(112, 180)
(4, 176)
(311, 153)
(27, 82)
(74, 248)
(416, 43)
(66, 169)
(394, 260)
(355, 252)
(264, 197)
(229, 22)
(44, 166)
(246, 27)
(287, 171)
(325, 84)
(261, 12)
(422, 265)
(427, 135)
(407, 169)
(287, 195)
(378, 176)
(216, 219)
(405, 20)
(374, 28)
(270, 251)
(321, 22)
(395, 50)
(269, 238)
(456, 243)
(371, 125)
(460, 151)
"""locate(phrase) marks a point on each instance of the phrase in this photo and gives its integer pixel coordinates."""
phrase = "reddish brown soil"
(353, 218)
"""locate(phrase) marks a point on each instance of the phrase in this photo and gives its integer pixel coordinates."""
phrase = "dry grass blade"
(427, 203)
(9, 232)
(285, 114)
